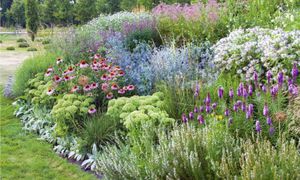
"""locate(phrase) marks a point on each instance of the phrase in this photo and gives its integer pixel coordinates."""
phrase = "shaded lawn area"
(22, 156)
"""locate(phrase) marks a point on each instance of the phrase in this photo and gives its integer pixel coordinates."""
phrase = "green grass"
(25, 157)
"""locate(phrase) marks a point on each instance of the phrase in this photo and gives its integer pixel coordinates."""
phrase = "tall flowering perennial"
(242, 107)
(246, 51)
(92, 78)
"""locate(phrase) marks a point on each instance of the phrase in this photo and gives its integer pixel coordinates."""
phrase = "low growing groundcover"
(23, 156)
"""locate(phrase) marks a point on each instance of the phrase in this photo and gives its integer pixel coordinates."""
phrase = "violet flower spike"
(257, 126)
(295, 71)
(235, 107)
(248, 114)
(231, 93)
(271, 130)
(220, 92)
(191, 115)
(184, 118)
(214, 105)
(207, 109)
(244, 108)
(255, 76)
(250, 90)
(263, 88)
(280, 78)
(251, 109)
(230, 121)
(207, 99)
(200, 119)
(201, 109)
(266, 110)
(196, 110)
(295, 91)
(269, 121)
(269, 76)
(226, 113)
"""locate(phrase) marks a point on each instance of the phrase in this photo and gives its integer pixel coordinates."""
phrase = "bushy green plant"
(289, 20)
(29, 68)
(32, 49)
(20, 40)
(69, 111)
(142, 36)
(294, 117)
(10, 48)
(23, 45)
(46, 41)
(98, 130)
(1, 41)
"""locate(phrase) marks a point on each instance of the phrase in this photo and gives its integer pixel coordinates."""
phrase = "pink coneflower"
(121, 91)
(114, 87)
(87, 88)
(130, 87)
(67, 78)
(94, 85)
(97, 56)
(83, 64)
(104, 77)
(48, 73)
(50, 91)
(50, 69)
(57, 78)
(112, 74)
(109, 95)
(72, 77)
(92, 110)
(121, 73)
(59, 60)
(70, 70)
(95, 63)
(104, 86)
(75, 89)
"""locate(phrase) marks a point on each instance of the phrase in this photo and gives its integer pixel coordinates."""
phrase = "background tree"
(32, 17)
(49, 8)
(64, 12)
(85, 10)
(17, 13)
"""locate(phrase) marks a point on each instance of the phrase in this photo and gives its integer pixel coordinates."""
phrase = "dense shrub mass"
(210, 90)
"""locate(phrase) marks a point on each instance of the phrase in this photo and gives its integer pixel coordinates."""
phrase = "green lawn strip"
(23, 156)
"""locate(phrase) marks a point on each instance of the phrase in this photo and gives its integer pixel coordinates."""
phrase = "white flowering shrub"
(257, 49)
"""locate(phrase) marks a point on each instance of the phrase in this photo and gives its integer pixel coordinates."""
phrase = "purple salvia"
(191, 115)
(245, 93)
(266, 110)
(196, 110)
(240, 89)
(226, 113)
(230, 121)
(269, 121)
(220, 92)
(263, 88)
(274, 90)
(197, 90)
(257, 126)
(200, 119)
(295, 71)
(201, 109)
(255, 78)
(239, 103)
(271, 130)
(244, 108)
(269, 76)
(207, 99)
(295, 91)
(207, 109)
(214, 105)
(184, 118)
(235, 107)
(280, 78)
(248, 114)
(231, 93)
(250, 90)
(251, 109)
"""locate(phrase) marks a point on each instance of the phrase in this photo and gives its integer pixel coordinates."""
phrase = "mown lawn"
(22, 156)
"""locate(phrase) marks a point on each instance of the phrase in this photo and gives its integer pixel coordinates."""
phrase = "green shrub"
(32, 49)
(23, 45)
(294, 117)
(46, 41)
(10, 48)
(21, 40)
(69, 112)
(142, 36)
(29, 68)
(1, 41)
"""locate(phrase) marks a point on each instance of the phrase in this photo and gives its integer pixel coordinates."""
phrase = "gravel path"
(9, 61)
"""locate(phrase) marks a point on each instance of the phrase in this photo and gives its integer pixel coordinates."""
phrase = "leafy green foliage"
(10, 48)
(32, 49)
(23, 45)
(32, 17)
(21, 40)
(27, 71)
(69, 111)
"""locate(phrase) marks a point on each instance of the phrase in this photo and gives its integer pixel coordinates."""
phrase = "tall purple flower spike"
(269, 76)
(231, 93)
(280, 78)
(191, 115)
(184, 118)
(271, 130)
(200, 119)
(269, 121)
(257, 126)
(266, 110)
(295, 71)
(220, 92)
(207, 99)
(226, 113)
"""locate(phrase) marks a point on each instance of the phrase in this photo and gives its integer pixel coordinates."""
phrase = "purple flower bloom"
(200, 119)
(207, 99)
(197, 90)
(266, 110)
(191, 115)
(295, 91)
(248, 114)
(196, 110)
(227, 112)
(250, 109)
(220, 92)
(274, 90)
(239, 103)
(201, 109)
(230, 121)
(244, 108)
(295, 71)
(235, 107)
(184, 118)
(255, 76)
(280, 78)
(245, 93)
(240, 89)
(269, 120)
(257, 126)
(269, 76)
(263, 88)
(207, 109)
(250, 90)
(271, 130)
(214, 105)
(231, 93)
(290, 81)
